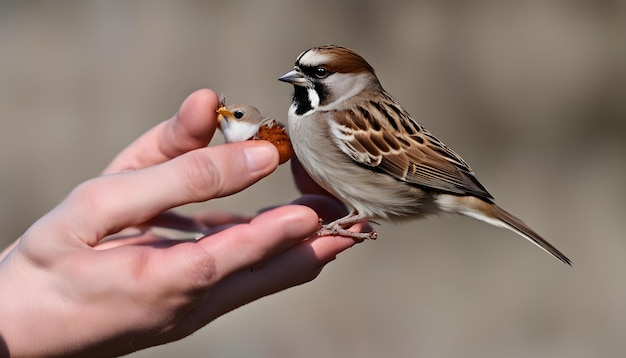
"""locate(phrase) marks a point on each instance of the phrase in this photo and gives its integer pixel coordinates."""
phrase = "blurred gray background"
(531, 93)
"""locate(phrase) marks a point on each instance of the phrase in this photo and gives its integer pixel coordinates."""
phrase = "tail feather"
(518, 226)
(495, 215)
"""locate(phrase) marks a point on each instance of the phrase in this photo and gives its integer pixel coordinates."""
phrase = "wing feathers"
(380, 134)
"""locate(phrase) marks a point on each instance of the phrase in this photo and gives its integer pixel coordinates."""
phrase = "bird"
(359, 144)
(240, 122)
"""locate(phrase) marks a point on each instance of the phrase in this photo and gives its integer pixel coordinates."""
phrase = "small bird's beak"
(222, 113)
(294, 77)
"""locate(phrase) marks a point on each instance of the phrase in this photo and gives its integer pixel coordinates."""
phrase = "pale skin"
(64, 292)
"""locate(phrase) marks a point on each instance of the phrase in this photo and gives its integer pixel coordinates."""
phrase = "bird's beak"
(294, 77)
(222, 114)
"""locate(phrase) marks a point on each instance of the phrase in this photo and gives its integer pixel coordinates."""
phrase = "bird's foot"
(337, 230)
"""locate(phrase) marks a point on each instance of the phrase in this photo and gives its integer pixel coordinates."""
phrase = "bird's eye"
(321, 72)
(238, 114)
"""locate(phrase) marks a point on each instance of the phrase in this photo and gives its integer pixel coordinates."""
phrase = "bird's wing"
(379, 134)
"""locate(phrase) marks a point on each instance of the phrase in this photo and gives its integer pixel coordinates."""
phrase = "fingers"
(222, 272)
(245, 245)
(109, 203)
(191, 128)
(194, 267)
(300, 264)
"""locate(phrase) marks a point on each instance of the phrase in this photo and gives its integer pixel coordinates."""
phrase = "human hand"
(65, 291)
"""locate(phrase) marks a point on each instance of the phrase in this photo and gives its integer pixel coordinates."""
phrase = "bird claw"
(336, 230)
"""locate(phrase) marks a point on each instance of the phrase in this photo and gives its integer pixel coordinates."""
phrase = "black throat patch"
(301, 100)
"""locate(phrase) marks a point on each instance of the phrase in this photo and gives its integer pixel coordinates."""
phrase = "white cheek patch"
(314, 98)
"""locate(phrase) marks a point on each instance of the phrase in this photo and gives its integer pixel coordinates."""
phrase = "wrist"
(33, 317)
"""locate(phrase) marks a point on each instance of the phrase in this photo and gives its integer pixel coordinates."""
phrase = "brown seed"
(275, 133)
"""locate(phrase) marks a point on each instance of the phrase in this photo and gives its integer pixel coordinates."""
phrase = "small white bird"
(240, 122)
(358, 143)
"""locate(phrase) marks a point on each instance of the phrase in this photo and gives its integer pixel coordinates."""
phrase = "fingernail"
(259, 156)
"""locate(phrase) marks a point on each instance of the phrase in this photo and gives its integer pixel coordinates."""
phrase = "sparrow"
(359, 144)
(240, 122)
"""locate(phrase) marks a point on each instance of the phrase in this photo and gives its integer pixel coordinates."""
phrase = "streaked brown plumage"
(358, 143)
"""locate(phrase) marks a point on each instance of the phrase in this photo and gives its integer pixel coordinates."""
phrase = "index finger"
(109, 203)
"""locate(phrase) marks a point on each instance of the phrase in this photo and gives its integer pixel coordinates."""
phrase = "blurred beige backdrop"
(531, 93)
